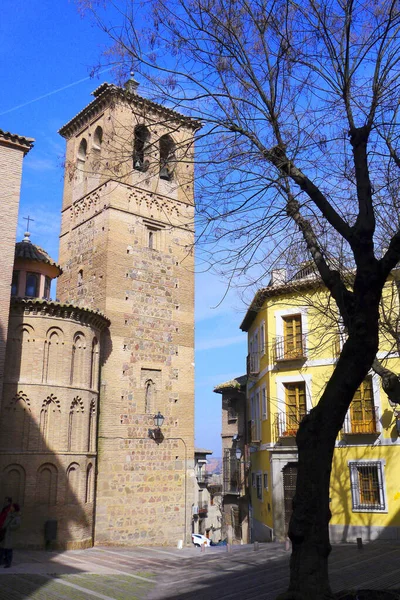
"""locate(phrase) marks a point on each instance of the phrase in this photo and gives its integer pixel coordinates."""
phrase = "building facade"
(235, 461)
(293, 344)
(126, 248)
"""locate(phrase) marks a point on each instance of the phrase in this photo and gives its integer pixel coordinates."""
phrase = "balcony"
(285, 427)
(367, 426)
(203, 510)
(202, 477)
(231, 471)
(256, 431)
(282, 350)
(253, 364)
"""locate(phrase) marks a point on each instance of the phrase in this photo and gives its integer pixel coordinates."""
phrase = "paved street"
(162, 573)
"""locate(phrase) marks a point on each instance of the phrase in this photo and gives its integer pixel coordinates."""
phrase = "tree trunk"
(309, 524)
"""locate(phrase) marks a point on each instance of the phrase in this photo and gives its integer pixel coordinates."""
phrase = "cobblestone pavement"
(162, 573)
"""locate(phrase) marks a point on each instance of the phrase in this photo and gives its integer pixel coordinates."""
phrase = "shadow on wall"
(365, 490)
(48, 428)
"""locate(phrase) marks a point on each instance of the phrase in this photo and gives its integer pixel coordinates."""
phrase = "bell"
(165, 174)
(138, 164)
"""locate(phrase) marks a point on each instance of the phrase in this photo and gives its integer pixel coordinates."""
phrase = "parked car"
(200, 540)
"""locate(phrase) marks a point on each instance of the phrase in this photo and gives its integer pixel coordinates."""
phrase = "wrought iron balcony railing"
(286, 426)
(256, 431)
(354, 426)
(284, 349)
(231, 472)
(203, 509)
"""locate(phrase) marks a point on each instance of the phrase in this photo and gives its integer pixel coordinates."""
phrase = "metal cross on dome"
(28, 218)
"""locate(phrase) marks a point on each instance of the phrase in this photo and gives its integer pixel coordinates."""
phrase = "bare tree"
(299, 146)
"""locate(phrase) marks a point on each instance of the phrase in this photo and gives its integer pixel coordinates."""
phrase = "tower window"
(140, 146)
(47, 286)
(80, 277)
(14, 284)
(97, 138)
(152, 234)
(31, 287)
(82, 150)
(167, 157)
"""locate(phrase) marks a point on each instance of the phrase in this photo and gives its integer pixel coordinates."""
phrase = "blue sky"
(47, 51)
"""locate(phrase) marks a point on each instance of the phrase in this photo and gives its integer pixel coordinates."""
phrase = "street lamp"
(238, 453)
(156, 434)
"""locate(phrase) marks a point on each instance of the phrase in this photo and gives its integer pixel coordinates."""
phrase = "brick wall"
(10, 183)
(48, 420)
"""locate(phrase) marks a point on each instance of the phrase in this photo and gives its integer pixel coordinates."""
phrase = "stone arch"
(80, 160)
(167, 148)
(89, 484)
(94, 365)
(149, 396)
(78, 359)
(52, 356)
(141, 148)
(73, 484)
(14, 482)
(16, 423)
(22, 352)
(50, 423)
(91, 446)
(46, 484)
(97, 138)
(75, 425)
(82, 150)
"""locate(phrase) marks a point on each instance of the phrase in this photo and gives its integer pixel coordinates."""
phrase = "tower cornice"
(106, 93)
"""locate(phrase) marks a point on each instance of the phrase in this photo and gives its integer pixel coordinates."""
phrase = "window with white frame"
(262, 338)
(265, 482)
(264, 402)
(367, 486)
(255, 417)
(256, 351)
(259, 485)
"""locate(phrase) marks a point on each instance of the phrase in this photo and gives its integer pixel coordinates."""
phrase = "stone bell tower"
(126, 249)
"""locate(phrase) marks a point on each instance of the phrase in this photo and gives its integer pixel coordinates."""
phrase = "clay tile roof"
(234, 384)
(18, 140)
(68, 310)
(27, 251)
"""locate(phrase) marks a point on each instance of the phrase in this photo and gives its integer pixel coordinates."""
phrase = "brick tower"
(126, 250)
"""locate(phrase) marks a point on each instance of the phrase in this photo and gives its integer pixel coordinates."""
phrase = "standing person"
(3, 515)
(11, 524)
(5, 510)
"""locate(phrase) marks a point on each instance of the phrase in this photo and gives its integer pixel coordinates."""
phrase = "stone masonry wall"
(144, 485)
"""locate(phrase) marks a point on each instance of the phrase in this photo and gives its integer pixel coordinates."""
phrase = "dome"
(25, 250)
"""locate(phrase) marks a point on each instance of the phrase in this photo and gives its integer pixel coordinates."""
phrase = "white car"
(200, 540)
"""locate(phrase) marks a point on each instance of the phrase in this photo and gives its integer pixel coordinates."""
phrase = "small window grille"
(259, 486)
(367, 487)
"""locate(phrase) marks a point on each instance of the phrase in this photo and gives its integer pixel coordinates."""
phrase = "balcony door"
(362, 410)
(293, 347)
(295, 405)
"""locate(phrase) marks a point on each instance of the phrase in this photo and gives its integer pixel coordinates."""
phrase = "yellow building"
(293, 343)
